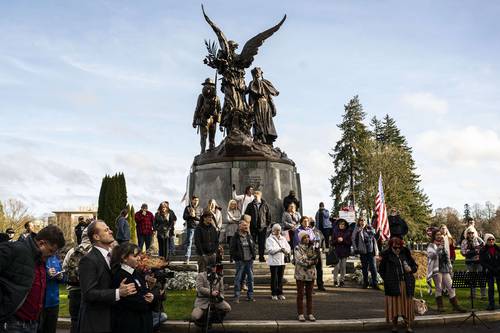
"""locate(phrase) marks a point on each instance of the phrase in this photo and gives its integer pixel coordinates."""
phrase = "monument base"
(275, 179)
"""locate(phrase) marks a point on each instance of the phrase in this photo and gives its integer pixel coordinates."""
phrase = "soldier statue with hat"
(207, 114)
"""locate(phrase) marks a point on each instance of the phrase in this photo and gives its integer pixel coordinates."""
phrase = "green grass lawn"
(178, 305)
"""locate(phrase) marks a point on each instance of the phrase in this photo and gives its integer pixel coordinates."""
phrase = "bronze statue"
(236, 115)
(207, 114)
(260, 92)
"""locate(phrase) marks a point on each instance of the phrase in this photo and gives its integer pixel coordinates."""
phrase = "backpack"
(73, 277)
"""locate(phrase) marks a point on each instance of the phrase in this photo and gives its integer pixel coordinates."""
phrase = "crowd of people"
(109, 292)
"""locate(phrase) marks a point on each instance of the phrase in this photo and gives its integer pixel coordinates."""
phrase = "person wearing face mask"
(396, 269)
(23, 278)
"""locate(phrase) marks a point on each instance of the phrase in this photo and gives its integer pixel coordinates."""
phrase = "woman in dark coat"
(396, 269)
(133, 313)
(341, 240)
(164, 226)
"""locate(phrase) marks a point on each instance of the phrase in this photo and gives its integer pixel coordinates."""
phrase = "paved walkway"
(349, 302)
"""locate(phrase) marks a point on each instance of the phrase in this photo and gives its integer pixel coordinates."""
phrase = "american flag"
(381, 210)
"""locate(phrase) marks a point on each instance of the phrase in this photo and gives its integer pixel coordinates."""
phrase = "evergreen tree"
(131, 223)
(112, 199)
(466, 212)
(391, 156)
(349, 156)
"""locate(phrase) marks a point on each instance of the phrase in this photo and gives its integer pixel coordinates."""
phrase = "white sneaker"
(282, 297)
(301, 317)
(274, 298)
(311, 318)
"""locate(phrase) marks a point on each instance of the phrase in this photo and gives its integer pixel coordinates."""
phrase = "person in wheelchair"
(210, 294)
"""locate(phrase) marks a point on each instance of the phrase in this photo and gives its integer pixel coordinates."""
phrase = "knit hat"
(302, 234)
(488, 236)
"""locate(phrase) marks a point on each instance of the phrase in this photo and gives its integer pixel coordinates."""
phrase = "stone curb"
(292, 326)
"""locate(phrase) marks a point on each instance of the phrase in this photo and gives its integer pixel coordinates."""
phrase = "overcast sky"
(95, 87)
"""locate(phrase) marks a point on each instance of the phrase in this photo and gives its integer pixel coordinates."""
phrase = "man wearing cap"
(144, 221)
(10, 232)
(82, 224)
(207, 114)
(490, 261)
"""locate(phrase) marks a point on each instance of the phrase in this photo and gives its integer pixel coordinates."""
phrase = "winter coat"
(122, 229)
(163, 226)
(261, 216)
(206, 239)
(490, 263)
(17, 270)
(363, 240)
(470, 249)
(203, 290)
(343, 248)
(392, 272)
(397, 226)
(132, 313)
(306, 258)
(433, 260)
(274, 247)
(236, 248)
(289, 220)
(323, 213)
(233, 218)
(192, 222)
(144, 223)
(52, 289)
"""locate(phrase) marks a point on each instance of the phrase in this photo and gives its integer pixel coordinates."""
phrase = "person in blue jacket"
(50, 312)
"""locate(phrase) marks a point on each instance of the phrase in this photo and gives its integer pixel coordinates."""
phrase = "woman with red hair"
(396, 269)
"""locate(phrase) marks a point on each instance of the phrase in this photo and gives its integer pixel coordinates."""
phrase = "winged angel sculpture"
(236, 115)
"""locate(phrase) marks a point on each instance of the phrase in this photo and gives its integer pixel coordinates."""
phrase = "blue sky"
(95, 87)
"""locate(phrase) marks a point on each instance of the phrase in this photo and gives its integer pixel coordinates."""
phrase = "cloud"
(471, 146)
(110, 72)
(424, 102)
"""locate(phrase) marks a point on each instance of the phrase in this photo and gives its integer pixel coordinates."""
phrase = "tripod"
(470, 280)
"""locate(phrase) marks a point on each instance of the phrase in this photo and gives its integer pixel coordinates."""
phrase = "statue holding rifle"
(207, 114)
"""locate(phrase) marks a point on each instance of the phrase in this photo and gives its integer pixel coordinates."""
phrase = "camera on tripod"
(163, 275)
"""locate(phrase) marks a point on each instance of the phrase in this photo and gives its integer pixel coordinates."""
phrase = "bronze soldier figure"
(207, 114)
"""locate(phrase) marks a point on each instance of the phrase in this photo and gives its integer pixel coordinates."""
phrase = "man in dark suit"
(96, 281)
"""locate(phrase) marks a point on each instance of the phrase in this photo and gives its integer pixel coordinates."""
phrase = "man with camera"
(209, 292)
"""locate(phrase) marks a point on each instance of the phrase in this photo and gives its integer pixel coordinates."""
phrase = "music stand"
(471, 280)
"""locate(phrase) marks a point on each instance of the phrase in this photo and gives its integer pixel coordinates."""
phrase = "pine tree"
(466, 212)
(349, 156)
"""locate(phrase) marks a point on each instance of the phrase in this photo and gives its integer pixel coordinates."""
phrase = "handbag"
(419, 305)
(331, 258)
(285, 255)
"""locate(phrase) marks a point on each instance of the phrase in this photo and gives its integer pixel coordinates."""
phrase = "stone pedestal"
(274, 178)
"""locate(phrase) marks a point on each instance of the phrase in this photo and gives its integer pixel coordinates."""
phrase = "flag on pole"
(381, 210)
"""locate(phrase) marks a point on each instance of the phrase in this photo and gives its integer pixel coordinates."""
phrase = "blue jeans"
(14, 325)
(368, 262)
(188, 242)
(246, 268)
(141, 239)
(491, 289)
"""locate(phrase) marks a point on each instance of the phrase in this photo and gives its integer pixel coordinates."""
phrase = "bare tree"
(16, 214)
(489, 211)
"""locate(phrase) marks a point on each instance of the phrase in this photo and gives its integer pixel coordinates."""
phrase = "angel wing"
(251, 47)
(224, 47)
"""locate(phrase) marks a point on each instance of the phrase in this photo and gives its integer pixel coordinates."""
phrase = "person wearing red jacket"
(144, 221)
